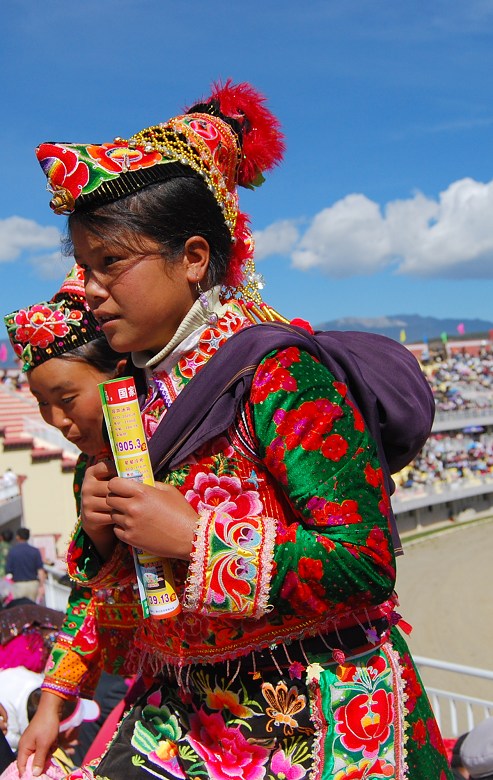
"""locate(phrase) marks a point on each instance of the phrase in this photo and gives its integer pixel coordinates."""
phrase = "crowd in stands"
(459, 382)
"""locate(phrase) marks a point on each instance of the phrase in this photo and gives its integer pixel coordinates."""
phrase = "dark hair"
(23, 533)
(33, 700)
(97, 353)
(7, 535)
(169, 212)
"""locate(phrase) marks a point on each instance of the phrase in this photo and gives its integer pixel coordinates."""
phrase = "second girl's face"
(68, 397)
(138, 298)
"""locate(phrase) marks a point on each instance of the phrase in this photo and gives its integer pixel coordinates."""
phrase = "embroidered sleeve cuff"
(231, 565)
(86, 566)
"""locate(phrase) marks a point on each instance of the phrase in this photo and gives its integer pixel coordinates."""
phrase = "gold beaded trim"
(177, 140)
(250, 300)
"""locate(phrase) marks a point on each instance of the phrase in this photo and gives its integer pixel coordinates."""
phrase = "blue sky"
(384, 202)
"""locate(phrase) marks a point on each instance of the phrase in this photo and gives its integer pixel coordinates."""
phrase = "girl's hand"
(96, 516)
(156, 519)
(41, 735)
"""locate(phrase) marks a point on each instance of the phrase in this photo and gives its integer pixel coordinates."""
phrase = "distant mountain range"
(413, 327)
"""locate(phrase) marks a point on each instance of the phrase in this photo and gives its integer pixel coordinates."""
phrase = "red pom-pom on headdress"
(263, 145)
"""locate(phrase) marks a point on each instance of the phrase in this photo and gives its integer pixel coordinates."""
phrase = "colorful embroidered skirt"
(364, 719)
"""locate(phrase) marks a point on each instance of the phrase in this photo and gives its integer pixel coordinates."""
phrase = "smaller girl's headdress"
(48, 329)
(229, 139)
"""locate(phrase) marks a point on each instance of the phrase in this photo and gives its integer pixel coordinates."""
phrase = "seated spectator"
(476, 751)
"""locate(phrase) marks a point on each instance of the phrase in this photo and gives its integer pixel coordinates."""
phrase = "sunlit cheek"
(46, 414)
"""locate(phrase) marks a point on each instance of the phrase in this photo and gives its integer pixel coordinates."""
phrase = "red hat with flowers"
(229, 139)
(50, 328)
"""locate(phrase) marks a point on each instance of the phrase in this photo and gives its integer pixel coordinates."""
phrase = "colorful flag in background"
(402, 337)
(461, 328)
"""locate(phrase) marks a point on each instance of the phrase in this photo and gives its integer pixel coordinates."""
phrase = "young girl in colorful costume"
(65, 356)
(273, 507)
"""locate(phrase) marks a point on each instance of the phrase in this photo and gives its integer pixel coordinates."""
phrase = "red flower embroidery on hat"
(63, 168)
(118, 157)
(40, 325)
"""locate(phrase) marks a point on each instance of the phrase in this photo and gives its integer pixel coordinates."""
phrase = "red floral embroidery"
(331, 513)
(63, 169)
(305, 426)
(412, 689)
(274, 460)
(366, 770)
(310, 569)
(289, 356)
(327, 543)
(269, 378)
(334, 447)
(434, 734)
(373, 476)
(310, 598)
(286, 534)
(116, 157)
(341, 388)
(364, 722)
(377, 546)
(359, 423)
(41, 325)
(419, 733)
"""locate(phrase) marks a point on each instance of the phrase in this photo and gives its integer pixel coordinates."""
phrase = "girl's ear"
(120, 367)
(196, 258)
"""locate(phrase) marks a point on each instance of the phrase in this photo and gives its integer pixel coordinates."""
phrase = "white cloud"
(447, 237)
(18, 235)
(277, 239)
(51, 266)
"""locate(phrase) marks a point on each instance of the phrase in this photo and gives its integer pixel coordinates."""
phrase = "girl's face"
(138, 298)
(68, 398)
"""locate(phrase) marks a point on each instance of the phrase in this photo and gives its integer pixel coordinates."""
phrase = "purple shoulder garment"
(384, 380)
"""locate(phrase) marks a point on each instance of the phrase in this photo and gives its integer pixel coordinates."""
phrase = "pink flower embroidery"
(224, 750)
(284, 769)
(223, 493)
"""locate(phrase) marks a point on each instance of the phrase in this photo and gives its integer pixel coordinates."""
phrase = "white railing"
(456, 713)
(56, 594)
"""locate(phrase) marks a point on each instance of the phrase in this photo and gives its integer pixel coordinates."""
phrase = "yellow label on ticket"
(129, 446)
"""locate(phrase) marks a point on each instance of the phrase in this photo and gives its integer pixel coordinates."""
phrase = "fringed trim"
(321, 726)
(266, 562)
(154, 660)
(195, 584)
(400, 721)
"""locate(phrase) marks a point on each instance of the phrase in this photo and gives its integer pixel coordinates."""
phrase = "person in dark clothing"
(25, 565)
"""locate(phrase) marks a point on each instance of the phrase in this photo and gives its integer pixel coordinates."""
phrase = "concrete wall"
(47, 495)
(460, 509)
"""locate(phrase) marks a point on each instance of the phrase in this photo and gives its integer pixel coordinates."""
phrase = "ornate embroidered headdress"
(229, 139)
(50, 328)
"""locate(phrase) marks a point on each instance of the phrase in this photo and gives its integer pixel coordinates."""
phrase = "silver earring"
(204, 302)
